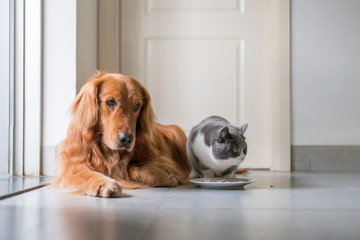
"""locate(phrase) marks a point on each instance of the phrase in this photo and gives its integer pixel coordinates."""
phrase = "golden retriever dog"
(114, 143)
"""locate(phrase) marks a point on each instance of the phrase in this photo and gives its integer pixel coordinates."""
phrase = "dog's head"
(116, 107)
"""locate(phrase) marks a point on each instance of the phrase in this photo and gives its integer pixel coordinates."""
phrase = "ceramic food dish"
(222, 183)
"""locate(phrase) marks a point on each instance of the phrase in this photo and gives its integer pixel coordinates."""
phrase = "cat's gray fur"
(215, 148)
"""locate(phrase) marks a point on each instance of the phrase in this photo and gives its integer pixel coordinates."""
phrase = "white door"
(200, 58)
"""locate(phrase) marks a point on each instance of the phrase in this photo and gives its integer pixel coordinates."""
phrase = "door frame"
(109, 22)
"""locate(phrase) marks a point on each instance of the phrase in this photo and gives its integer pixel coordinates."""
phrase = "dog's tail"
(242, 170)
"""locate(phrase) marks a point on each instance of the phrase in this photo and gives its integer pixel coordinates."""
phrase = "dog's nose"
(125, 139)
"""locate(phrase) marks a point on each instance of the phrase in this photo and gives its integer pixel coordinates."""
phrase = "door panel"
(193, 92)
(201, 58)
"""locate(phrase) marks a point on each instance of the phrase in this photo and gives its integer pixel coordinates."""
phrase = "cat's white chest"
(205, 155)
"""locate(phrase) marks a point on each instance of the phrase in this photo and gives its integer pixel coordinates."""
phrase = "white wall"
(325, 72)
(70, 58)
(59, 79)
(59, 75)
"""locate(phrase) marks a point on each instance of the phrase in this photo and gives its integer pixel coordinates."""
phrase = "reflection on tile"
(250, 224)
(9, 185)
(279, 205)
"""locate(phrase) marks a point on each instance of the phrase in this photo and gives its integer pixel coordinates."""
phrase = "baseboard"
(325, 158)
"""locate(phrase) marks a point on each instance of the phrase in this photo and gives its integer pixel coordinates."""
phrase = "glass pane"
(4, 89)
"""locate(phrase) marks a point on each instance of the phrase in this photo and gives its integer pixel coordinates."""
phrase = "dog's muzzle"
(125, 139)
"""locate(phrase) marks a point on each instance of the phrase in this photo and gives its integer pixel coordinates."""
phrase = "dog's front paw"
(110, 188)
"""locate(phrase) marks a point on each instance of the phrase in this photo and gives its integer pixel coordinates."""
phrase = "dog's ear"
(146, 120)
(85, 108)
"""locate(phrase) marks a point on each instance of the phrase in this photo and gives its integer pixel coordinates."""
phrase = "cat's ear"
(224, 133)
(242, 128)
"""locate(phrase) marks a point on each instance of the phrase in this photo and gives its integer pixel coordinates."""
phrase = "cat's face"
(230, 143)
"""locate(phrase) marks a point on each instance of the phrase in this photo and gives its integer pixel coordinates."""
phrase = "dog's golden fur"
(93, 162)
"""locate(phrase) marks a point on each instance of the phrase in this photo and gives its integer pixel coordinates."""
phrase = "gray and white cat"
(216, 148)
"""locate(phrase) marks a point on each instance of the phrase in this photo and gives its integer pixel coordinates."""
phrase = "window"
(41, 50)
(20, 91)
(5, 58)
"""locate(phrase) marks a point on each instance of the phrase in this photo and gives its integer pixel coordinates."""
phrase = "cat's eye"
(111, 103)
(235, 149)
(136, 107)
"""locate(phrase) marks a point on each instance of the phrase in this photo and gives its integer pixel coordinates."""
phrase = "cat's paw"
(194, 174)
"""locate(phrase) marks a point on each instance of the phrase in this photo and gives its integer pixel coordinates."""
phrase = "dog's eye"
(137, 107)
(111, 103)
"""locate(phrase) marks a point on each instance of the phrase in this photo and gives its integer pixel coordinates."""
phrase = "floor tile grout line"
(23, 191)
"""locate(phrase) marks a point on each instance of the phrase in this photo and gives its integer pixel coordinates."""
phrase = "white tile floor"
(15, 185)
(277, 206)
